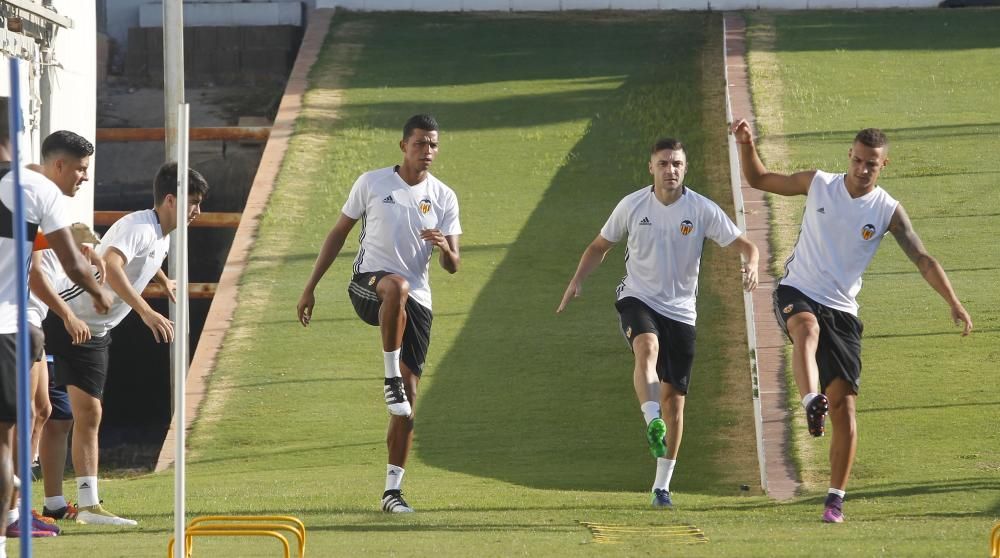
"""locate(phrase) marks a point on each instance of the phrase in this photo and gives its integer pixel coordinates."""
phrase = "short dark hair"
(419, 122)
(166, 182)
(872, 137)
(67, 142)
(667, 143)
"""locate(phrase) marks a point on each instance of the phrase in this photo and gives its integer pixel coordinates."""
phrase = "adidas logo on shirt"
(645, 221)
(388, 199)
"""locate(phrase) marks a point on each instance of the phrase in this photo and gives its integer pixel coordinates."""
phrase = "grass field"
(527, 422)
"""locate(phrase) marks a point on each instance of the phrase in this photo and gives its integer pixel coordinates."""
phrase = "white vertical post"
(736, 183)
(180, 348)
(173, 72)
(173, 97)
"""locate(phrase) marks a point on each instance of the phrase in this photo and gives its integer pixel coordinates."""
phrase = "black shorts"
(838, 354)
(8, 377)
(85, 365)
(676, 340)
(416, 333)
(61, 409)
(8, 368)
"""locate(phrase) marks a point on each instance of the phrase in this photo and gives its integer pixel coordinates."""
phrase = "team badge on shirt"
(425, 206)
(686, 227)
(868, 231)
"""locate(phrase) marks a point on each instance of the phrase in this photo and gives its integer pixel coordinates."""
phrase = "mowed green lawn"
(527, 424)
(928, 467)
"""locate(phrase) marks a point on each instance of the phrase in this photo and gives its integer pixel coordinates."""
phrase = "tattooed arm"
(930, 269)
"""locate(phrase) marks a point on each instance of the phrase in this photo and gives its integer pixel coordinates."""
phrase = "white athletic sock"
(650, 411)
(840, 493)
(86, 490)
(393, 477)
(13, 515)
(55, 502)
(808, 399)
(3, 547)
(392, 364)
(664, 471)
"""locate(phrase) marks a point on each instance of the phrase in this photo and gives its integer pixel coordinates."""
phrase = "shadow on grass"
(523, 395)
(931, 333)
(943, 406)
(895, 29)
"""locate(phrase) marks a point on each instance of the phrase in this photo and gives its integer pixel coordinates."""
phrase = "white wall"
(559, 5)
(224, 14)
(124, 14)
(73, 105)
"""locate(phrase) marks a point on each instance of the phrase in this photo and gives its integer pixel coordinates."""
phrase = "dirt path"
(782, 481)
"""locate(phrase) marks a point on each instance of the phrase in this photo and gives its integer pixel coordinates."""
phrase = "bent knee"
(645, 344)
(803, 326)
(392, 287)
(43, 412)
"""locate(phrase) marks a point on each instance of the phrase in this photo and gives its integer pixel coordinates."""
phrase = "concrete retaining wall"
(218, 55)
(561, 5)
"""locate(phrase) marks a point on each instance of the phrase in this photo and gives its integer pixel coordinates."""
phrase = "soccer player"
(845, 218)
(45, 208)
(56, 416)
(406, 213)
(133, 250)
(665, 225)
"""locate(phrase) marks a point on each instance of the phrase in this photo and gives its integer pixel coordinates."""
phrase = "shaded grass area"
(928, 407)
(526, 423)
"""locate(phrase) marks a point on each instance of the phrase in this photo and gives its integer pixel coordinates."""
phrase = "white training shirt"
(837, 241)
(50, 266)
(393, 213)
(45, 208)
(664, 248)
(139, 237)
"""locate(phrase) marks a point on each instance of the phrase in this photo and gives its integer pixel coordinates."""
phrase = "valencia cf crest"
(868, 231)
(686, 227)
(425, 206)
(787, 309)
(371, 281)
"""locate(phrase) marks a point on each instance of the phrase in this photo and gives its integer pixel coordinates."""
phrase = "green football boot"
(656, 434)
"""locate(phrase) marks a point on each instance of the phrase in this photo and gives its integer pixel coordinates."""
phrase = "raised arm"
(331, 248)
(751, 259)
(930, 269)
(447, 246)
(757, 174)
(162, 328)
(592, 257)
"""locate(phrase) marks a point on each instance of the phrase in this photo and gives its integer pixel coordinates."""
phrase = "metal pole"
(173, 72)
(173, 97)
(180, 352)
(23, 357)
